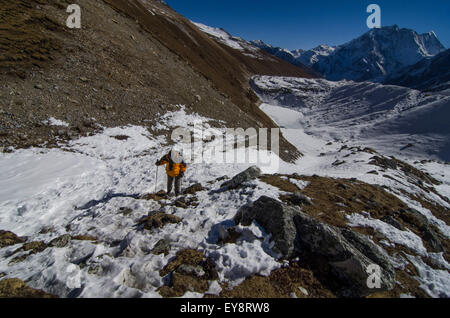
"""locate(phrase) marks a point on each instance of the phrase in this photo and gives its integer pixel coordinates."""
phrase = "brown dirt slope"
(15, 288)
(124, 66)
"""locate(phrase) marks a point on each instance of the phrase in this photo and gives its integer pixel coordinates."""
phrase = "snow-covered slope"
(83, 188)
(92, 187)
(395, 119)
(226, 38)
(430, 74)
(313, 56)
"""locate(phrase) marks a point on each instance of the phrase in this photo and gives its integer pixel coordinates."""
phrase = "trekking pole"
(156, 183)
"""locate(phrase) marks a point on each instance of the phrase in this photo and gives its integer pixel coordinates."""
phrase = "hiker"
(175, 169)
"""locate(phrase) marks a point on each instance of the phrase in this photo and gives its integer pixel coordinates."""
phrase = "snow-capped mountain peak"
(374, 55)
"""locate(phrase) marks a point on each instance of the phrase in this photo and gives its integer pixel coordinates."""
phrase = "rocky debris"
(29, 249)
(18, 259)
(60, 241)
(346, 253)
(47, 229)
(281, 283)
(194, 189)
(227, 235)
(162, 247)
(338, 163)
(191, 271)
(159, 196)
(158, 220)
(392, 221)
(431, 237)
(297, 198)
(125, 211)
(121, 137)
(245, 176)
(395, 164)
(181, 204)
(9, 238)
(84, 238)
(427, 231)
(185, 203)
(384, 162)
(220, 179)
(32, 247)
(16, 288)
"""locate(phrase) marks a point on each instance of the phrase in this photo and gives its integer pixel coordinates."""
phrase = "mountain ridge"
(371, 56)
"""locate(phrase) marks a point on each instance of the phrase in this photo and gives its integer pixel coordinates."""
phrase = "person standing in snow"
(175, 169)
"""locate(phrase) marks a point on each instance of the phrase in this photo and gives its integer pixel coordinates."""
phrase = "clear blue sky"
(295, 24)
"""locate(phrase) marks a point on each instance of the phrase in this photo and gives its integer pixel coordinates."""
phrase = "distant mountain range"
(429, 74)
(375, 56)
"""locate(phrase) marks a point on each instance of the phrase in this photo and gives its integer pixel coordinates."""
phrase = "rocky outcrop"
(247, 175)
(158, 220)
(194, 189)
(61, 241)
(276, 218)
(161, 247)
(347, 254)
(427, 231)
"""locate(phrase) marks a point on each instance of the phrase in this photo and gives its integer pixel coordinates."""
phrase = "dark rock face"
(190, 270)
(162, 247)
(60, 241)
(194, 189)
(247, 175)
(276, 218)
(158, 220)
(427, 230)
(390, 220)
(347, 254)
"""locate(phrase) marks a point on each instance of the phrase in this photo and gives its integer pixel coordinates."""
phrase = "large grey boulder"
(276, 219)
(347, 254)
(247, 175)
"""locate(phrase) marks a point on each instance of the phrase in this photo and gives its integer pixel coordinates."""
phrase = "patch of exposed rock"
(347, 255)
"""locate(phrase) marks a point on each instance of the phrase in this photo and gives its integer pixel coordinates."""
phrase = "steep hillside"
(430, 74)
(130, 61)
